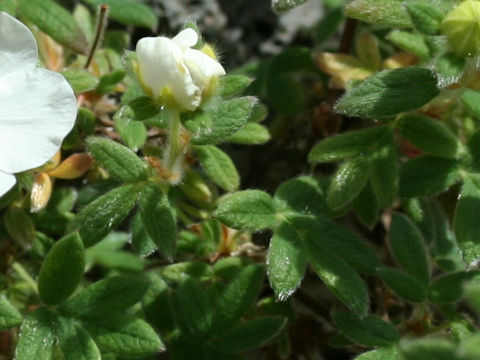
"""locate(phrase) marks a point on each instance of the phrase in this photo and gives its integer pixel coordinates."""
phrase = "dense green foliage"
(138, 239)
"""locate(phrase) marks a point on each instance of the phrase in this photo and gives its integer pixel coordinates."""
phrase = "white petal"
(160, 61)
(37, 110)
(202, 67)
(6, 182)
(186, 38)
(18, 49)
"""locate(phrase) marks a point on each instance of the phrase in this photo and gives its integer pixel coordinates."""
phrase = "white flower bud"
(173, 73)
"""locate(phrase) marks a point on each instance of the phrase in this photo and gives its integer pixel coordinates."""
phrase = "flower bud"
(462, 28)
(175, 74)
(41, 192)
(72, 167)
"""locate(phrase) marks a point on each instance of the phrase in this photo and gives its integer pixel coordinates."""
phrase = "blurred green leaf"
(218, 166)
(231, 85)
(57, 22)
(124, 336)
(75, 342)
(348, 182)
(195, 306)
(250, 335)
(369, 330)
(62, 270)
(237, 297)
(402, 284)
(409, 41)
(349, 144)
(465, 220)
(129, 12)
(37, 336)
(389, 92)
(133, 133)
(9, 314)
(408, 248)
(429, 135)
(431, 349)
(283, 5)
(108, 296)
(158, 219)
(381, 12)
(427, 175)
(19, 225)
(251, 134)
(449, 288)
(381, 354)
(80, 80)
(426, 17)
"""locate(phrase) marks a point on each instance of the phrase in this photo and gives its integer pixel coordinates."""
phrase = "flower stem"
(20, 270)
(173, 157)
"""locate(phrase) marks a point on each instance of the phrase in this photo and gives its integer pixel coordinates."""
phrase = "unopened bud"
(41, 191)
(72, 167)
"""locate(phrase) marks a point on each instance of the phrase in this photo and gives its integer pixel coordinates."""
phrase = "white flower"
(170, 67)
(37, 106)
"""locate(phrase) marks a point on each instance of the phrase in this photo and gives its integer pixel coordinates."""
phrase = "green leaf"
(19, 225)
(218, 166)
(390, 92)
(449, 288)
(286, 261)
(381, 12)
(369, 330)
(332, 238)
(302, 195)
(348, 145)
(141, 242)
(75, 342)
(108, 296)
(109, 81)
(195, 307)
(124, 336)
(133, 133)
(292, 60)
(465, 221)
(429, 135)
(248, 209)
(427, 175)
(62, 270)
(366, 207)
(402, 284)
(231, 85)
(411, 42)
(157, 217)
(37, 336)
(284, 5)
(339, 277)
(426, 18)
(431, 349)
(250, 335)
(80, 80)
(105, 213)
(218, 121)
(472, 293)
(57, 22)
(129, 12)
(471, 100)
(144, 108)
(238, 297)
(120, 162)
(381, 354)
(9, 315)
(251, 134)
(408, 248)
(348, 182)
